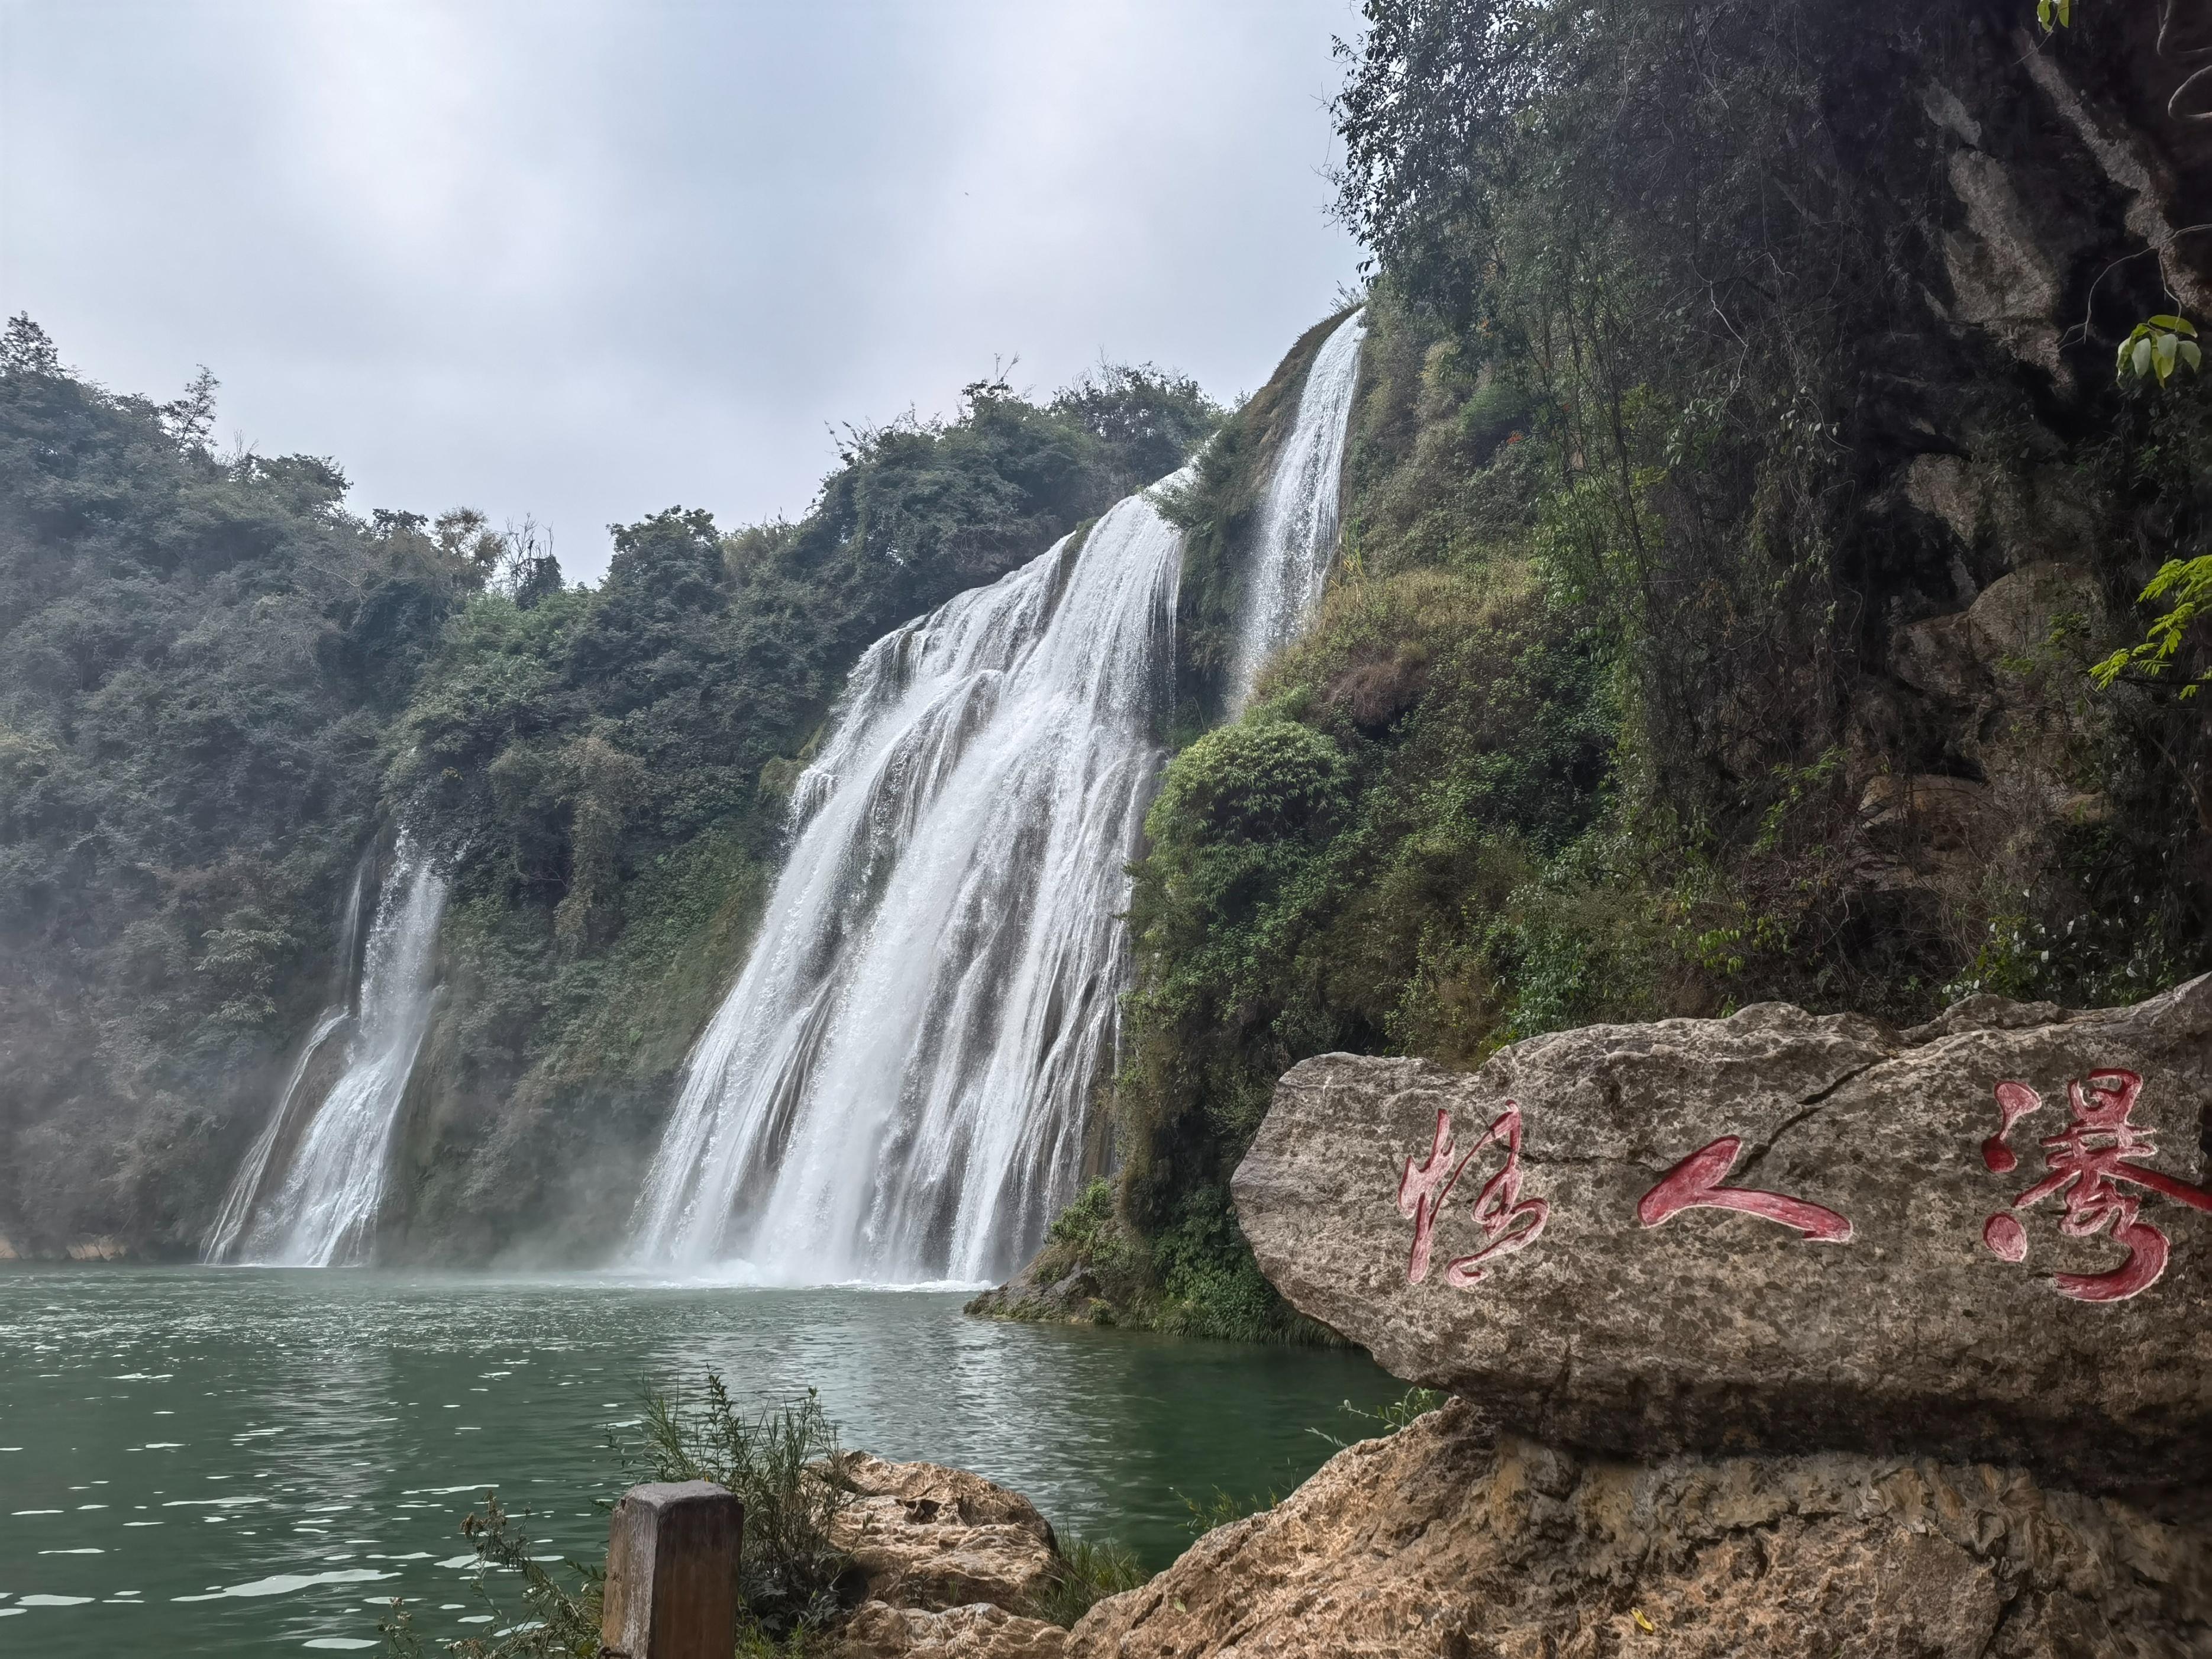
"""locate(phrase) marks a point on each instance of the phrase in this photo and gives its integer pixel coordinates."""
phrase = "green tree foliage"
(198, 654)
(2186, 587)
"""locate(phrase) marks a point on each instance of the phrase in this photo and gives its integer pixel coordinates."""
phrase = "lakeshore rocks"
(1045, 1293)
(953, 1564)
(1443, 1543)
(1986, 1238)
(878, 1631)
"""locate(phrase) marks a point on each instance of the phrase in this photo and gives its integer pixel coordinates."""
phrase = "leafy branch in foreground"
(2157, 346)
(2187, 584)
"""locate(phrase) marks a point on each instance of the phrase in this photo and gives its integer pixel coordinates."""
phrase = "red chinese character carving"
(1695, 1184)
(1507, 1220)
(2089, 1163)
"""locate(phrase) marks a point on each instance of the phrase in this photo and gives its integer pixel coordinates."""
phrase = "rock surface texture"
(878, 1631)
(1986, 1238)
(1038, 1296)
(1441, 1541)
(953, 1562)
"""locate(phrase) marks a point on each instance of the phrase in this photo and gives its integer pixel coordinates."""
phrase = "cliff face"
(1738, 496)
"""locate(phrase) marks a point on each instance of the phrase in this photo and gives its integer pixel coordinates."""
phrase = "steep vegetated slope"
(1739, 500)
(219, 689)
(198, 656)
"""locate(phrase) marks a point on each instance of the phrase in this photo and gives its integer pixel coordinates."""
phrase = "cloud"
(589, 260)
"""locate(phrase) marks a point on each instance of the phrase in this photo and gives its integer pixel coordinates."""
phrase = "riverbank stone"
(1445, 1541)
(878, 1631)
(935, 1538)
(1984, 1238)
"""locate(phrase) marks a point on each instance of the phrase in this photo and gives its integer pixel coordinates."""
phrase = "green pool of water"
(232, 1461)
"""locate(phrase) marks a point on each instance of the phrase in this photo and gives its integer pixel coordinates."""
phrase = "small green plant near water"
(555, 1623)
(781, 1462)
(1088, 1573)
(1414, 1402)
(1223, 1508)
(792, 1582)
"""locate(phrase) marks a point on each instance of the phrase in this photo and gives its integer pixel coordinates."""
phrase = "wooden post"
(673, 1573)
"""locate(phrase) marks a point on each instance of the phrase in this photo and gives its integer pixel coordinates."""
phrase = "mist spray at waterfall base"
(897, 1088)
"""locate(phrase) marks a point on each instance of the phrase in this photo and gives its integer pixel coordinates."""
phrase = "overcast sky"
(586, 261)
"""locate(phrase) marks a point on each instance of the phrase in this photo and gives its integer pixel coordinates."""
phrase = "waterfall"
(1295, 537)
(322, 1210)
(245, 1186)
(894, 1090)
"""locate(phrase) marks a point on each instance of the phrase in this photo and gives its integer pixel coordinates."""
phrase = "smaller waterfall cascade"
(896, 1087)
(1294, 540)
(320, 1211)
(246, 1186)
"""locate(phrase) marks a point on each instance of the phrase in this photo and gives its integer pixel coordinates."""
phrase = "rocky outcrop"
(1048, 1292)
(2006, 681)
(1441, 1542)
(954, 1563)
(879, 1630)
(1986, 1238)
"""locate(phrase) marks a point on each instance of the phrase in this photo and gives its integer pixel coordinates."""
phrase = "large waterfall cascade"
(321, 1210)
(895, 1088)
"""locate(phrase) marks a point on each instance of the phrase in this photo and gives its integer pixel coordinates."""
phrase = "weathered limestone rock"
(878, 1631)
(953, 1563)
(1776, 1231)
(931, 1537)
(1439, 1543)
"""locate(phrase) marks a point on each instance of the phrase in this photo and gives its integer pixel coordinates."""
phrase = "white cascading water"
(1295, 538)
(322, 1211)
(246, 1186)
(894, 1090)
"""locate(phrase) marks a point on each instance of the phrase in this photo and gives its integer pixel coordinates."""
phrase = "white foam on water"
(283, 1584)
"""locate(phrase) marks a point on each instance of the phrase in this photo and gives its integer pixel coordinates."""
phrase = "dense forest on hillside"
(1739, 500)
(220, 690)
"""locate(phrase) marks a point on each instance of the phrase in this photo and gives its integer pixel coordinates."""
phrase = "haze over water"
(203, 1461)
